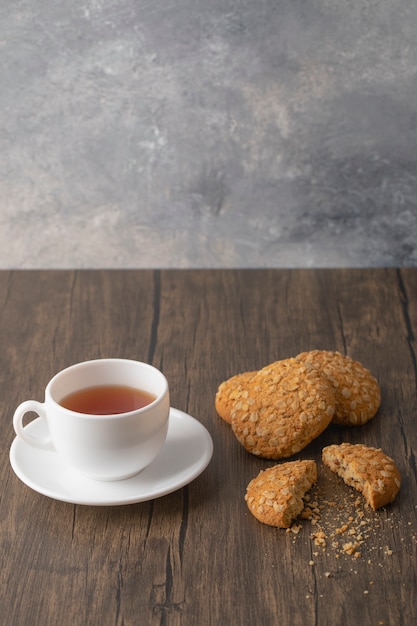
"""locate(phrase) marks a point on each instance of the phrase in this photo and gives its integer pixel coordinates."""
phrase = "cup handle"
(30, 406)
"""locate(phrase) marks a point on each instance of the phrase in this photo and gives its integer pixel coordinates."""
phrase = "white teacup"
(111, 446)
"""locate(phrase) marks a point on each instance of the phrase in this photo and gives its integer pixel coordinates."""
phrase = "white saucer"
(186, 453)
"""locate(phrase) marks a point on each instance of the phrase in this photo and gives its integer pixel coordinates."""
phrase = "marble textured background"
(208, 133)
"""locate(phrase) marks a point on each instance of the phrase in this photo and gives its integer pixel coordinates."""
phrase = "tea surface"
(107, 400)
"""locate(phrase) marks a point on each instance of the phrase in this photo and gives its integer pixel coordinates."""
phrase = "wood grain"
(197, 556)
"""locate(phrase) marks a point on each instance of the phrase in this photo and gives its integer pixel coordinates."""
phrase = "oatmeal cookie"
(227, 392)
(275, 496)
(357, 392)
(367, 469)
(281, 409)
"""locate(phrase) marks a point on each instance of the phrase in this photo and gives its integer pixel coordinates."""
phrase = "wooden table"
(198, 556)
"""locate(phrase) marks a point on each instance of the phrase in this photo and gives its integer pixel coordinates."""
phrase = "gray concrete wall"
(208, 133)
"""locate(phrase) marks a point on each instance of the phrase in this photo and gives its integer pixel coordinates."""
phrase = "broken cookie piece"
(275, 496)
(367, 469)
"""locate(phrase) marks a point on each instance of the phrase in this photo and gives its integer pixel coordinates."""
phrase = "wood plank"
(198, 556)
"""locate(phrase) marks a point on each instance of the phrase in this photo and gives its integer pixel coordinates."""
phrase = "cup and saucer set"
(83, 456)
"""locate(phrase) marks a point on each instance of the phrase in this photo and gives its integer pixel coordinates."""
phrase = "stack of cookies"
(277, 411)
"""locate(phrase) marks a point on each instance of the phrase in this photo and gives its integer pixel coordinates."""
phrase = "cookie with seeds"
(226, 394)
(367, 469)
(357, 392)
(275, 496)
(281, 409)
